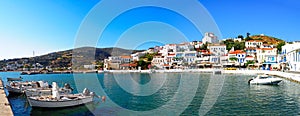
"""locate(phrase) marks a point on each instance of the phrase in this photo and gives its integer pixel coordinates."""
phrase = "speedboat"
(265, 80)
(56, 100)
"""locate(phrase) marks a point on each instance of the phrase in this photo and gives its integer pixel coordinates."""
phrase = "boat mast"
(34, 61)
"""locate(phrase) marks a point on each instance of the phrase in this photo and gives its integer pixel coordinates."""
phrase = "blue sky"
(46, 26)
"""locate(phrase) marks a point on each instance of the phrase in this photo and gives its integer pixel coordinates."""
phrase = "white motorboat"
(265, 80)
(56, 100)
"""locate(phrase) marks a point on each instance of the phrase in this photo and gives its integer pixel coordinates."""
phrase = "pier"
(4, 104)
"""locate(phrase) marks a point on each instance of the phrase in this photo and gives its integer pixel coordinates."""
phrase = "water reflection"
(236, 97)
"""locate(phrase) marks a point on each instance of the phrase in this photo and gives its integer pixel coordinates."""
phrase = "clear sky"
(46, 26)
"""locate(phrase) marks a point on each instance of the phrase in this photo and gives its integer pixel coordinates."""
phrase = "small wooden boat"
(57, 101)
(14, 79)
(42, 91)
(15, 87)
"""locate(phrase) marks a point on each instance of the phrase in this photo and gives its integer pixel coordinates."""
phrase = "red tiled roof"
(265, 48)
(237, 52)
(125, 56)
(171, 54)
(166, 65)
(128, 65)
(172, 44)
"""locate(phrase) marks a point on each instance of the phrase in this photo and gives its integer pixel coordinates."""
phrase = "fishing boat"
(14, 79)
(42, 91)
(16, 87)
(56, 100)
(265, 80)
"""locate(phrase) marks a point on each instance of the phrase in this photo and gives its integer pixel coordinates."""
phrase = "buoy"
(103, 98)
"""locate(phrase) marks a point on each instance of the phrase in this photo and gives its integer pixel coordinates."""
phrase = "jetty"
(4, 104)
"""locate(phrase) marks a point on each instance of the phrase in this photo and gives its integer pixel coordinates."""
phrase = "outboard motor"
(86, 92)
(67, 86)
(249, 81)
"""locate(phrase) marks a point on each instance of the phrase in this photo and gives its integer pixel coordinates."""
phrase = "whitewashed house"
(291, 53)
(240, 56)
(216, 51)
(210, 38)
(253, 43)
(267, 56)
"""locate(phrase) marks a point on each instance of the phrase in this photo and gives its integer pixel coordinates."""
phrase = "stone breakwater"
(4, 104)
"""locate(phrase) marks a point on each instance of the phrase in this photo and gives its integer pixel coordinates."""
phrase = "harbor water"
(185, 92)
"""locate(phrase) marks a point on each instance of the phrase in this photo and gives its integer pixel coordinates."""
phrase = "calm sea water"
(184, 93)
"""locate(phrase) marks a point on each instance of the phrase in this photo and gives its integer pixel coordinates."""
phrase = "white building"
(240, 56)
(267, 55)
(190, 57)
(158, 61)
(114, 62)
(210, 38)
(253, 43)
(217, 49)
(136, 56)
(291, 54)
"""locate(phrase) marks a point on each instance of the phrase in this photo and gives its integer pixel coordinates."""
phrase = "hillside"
(84, 55)
(267, 39)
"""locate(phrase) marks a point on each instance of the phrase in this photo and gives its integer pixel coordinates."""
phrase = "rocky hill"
(267, 39)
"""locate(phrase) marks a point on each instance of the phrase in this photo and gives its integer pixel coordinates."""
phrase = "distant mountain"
(84, 55)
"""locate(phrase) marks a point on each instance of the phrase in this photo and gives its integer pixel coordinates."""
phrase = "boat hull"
(12, 90)
(38, 92)
(272, 82)
(59, 104)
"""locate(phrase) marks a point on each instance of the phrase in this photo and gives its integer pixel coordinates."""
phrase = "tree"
(279, 46)
(237, 45)
(204, 46)
(241, 36)
(248, 37)
(233, 59)
(249, 62)
(144, 65)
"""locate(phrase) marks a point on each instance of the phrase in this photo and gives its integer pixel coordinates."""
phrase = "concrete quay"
(5, 109)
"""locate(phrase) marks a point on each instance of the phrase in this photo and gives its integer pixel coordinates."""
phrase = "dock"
(4, 104)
